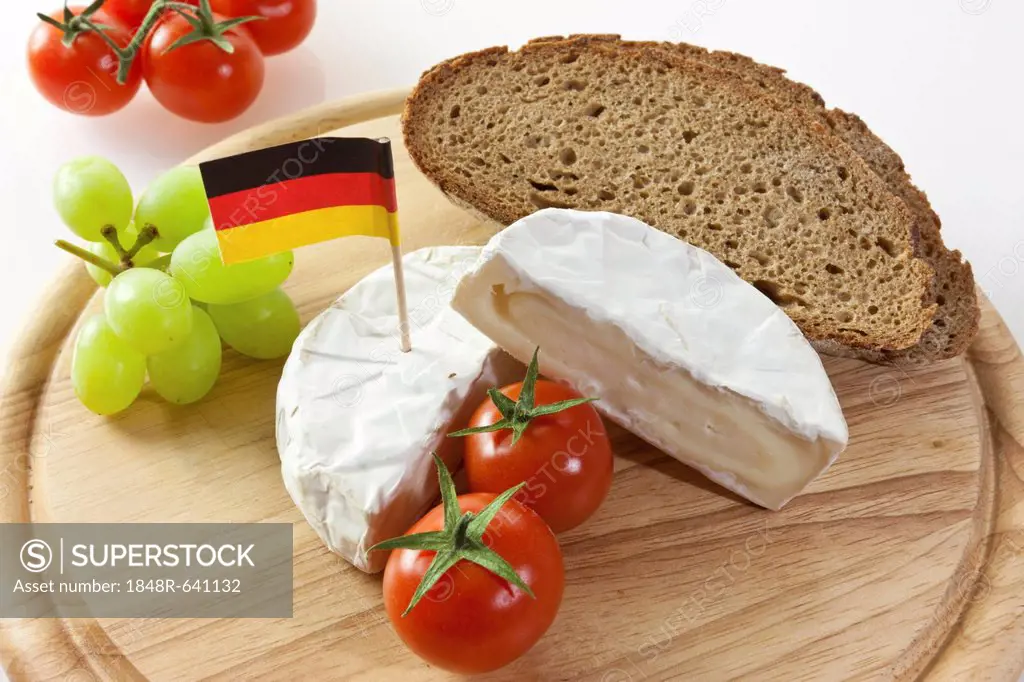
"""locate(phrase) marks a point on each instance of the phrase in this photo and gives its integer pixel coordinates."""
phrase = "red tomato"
(565, 458)
(472, 621)
(286, 24)
(81, 78)
(200, 81)
(131, 12)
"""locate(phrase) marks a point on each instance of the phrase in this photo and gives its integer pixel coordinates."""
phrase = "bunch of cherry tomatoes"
(201, 59)
(477, 581)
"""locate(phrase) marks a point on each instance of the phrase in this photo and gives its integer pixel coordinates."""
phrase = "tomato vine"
(204, 27)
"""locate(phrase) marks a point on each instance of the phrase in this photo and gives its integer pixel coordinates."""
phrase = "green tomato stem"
(206, 18)
(516, 415)
(89, 25)
(459, 533)
(131, 50)
(170, 4)
(462, 539)
(128, 54)
(89, 257)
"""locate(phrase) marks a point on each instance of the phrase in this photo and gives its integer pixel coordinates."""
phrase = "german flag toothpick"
(283, 197)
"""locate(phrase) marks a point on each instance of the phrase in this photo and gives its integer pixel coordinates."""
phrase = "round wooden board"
(905, 560)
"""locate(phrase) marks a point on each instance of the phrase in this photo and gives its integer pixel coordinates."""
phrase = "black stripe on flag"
(304, 159)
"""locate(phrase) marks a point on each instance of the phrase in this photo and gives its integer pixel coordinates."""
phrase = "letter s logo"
(36, 556)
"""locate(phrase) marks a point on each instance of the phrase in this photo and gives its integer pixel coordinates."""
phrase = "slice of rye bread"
(696, 152)
(953, 288)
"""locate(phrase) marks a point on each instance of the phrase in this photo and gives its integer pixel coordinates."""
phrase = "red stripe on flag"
(300, 195)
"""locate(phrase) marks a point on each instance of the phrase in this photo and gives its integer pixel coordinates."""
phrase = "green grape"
(149, 310)
(263, 328)
(175, 204)
(196, 263)
(187, 372)
(90, 193)
(106, 372)
(104, 250)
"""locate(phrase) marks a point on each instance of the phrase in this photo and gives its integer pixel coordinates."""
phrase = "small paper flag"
(283, 197)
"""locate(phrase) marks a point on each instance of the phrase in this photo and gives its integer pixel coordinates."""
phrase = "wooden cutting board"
(905, 560)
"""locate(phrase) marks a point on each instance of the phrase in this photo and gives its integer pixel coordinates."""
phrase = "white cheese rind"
(680, 350)
(357, 419)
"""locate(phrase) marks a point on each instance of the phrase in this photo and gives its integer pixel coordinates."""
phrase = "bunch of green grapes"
(170, 302)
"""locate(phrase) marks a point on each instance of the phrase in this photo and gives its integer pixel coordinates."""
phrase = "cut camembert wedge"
(679, 349)
(357, 419)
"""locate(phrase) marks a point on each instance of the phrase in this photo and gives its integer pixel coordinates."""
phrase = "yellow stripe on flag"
(256, 240)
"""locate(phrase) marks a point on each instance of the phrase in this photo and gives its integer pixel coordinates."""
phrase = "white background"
(937, 79)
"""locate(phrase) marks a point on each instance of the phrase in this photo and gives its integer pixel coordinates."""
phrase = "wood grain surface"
(904, 561)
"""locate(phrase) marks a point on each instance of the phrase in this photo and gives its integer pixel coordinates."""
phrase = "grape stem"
(109, 232)
(146, 236)
(89, 257)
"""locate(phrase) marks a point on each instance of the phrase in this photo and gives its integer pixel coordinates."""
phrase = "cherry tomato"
(81, 78)
(565, 458)
(201, 81)
(471, 621)
(286, 24)
(131, 12)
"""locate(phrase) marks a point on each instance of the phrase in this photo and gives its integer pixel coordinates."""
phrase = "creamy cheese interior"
(722, 434)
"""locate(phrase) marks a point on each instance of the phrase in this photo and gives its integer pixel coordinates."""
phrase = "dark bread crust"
(953, 289)
(638, 55)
